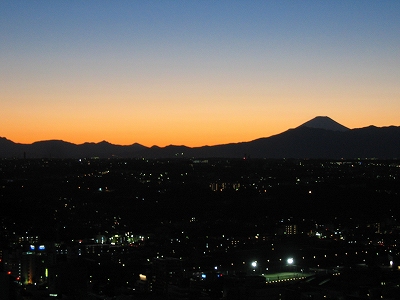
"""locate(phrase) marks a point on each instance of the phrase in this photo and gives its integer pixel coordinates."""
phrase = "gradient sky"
(194, 72)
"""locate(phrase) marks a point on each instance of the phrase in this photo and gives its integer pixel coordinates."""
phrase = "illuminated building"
(291, 229)
(33, 265)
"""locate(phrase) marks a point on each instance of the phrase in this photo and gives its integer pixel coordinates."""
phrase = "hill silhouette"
(320, 137)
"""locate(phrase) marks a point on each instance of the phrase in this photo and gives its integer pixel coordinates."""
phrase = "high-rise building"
(291, 229)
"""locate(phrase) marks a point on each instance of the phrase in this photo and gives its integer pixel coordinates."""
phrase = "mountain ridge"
(327, 139)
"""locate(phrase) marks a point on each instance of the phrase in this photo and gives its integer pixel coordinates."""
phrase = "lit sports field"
(285, 276)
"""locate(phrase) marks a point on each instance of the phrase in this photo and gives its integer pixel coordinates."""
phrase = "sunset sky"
(194, 72)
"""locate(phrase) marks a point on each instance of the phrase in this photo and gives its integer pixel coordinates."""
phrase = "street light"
(290, 262)
(254, 265)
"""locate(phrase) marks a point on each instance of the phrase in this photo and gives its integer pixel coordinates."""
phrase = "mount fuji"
(324, 123)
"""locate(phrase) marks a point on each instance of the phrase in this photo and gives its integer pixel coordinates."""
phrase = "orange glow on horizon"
(193, 134)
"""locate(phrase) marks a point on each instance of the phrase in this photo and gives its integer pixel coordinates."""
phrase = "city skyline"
(194, 73)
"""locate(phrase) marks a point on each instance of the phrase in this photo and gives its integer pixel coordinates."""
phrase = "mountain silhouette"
(320, 138)
(324, 123)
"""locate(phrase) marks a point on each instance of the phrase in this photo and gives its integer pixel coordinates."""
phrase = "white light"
(254, 264)
(290, 261)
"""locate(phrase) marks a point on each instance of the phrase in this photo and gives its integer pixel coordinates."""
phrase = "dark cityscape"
(199, 229)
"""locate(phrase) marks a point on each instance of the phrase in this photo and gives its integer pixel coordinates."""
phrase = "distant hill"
(320, 137)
